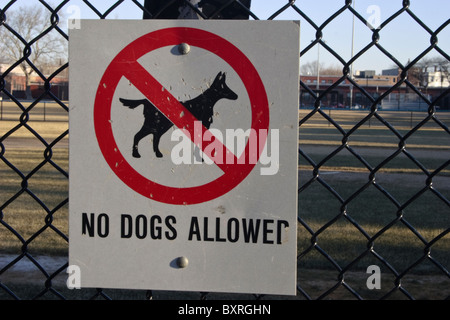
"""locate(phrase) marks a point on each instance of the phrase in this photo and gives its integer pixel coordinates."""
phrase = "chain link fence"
(373, 211)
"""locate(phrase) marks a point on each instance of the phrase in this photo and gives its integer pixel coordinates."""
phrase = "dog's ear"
(218, 77)
(217, 80)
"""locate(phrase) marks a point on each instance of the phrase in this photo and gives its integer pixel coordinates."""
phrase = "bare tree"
(333, 70)
(310, 68)
(30, 22)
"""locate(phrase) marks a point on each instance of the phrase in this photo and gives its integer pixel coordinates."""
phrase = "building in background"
(15, 84)
(431, 83)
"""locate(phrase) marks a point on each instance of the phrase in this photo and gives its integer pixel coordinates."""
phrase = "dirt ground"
(387, 178)
(324, 150)
(25, 271)
(398, 178)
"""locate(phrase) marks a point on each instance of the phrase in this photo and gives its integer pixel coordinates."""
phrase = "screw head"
(182, 262)
(184, 48)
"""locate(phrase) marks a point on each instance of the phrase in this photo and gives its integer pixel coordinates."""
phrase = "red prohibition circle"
(126, 60)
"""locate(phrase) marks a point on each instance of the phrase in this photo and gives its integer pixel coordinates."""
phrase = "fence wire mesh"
(373, 183)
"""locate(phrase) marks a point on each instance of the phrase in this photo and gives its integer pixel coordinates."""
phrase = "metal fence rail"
(373, 189)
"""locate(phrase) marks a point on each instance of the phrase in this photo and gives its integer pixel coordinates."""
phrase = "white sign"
(184, 155)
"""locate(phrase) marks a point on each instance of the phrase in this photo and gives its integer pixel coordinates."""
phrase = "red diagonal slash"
(125, 65)
(172, 108)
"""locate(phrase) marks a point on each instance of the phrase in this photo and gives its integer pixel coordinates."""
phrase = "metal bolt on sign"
(182, 262)
(184, 48)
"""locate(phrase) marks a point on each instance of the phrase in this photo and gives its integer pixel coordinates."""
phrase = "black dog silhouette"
(201, 108)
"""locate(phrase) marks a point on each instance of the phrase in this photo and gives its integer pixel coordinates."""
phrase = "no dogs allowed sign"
(183, 155)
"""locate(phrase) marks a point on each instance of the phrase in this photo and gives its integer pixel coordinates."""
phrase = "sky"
(404, 38)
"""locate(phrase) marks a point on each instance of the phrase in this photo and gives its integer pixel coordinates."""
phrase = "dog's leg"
(138, 137)
(156, 138)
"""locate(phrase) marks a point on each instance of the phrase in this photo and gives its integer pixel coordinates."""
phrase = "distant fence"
(365, 215)
(41, 111)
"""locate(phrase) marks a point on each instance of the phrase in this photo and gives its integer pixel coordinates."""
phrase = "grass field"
(349, 223)
(28, 216)
(355, 217)
(42, 111)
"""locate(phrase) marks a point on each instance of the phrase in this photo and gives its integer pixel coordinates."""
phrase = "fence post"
(182, 10)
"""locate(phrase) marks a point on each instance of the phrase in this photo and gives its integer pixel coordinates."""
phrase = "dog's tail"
(133, 103)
